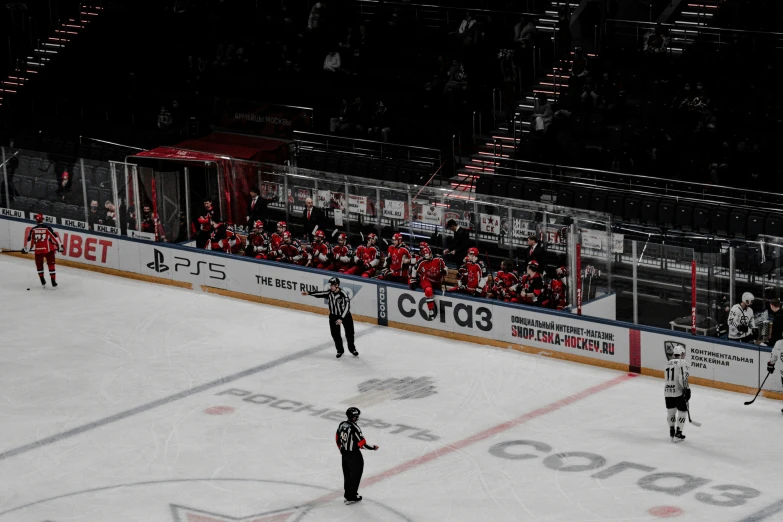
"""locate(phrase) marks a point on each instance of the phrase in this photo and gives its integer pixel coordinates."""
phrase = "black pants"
(353, 467)
(336, 335)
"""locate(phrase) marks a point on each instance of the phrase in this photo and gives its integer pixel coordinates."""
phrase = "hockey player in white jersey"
(677, 391)
(741, 320)
(775, 356)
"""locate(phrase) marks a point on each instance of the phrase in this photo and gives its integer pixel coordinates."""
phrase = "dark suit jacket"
(317, 217)
(537, 255)
(259, 211)
(460, 244)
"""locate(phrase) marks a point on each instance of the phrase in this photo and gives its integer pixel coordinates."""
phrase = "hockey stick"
(757, 393)
(688, 409)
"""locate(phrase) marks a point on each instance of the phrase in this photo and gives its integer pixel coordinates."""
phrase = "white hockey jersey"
(676, 377)
(777, 353)
(738, 316)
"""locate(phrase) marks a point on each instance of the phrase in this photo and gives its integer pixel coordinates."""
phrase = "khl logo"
(158, 265)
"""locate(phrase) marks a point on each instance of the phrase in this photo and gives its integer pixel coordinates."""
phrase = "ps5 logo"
(213, 269)
(157, 265)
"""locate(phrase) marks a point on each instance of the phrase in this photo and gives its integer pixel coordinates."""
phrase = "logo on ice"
(375, 391)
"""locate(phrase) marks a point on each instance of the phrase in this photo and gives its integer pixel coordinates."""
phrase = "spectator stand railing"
(685, 34)
(422, 156)
(553, 176)
(444, 15)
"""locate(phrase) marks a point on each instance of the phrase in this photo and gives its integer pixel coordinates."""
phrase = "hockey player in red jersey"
(474, 281)
(233, 244)
(291, 250)
(556, 295)
(276, 241)
(44, 242)
(367, 258)
(395, 266)
(431, 270)
(205, 223)
(506, 283)
(342, 254)
(413, 265)
(257, 244)
(218, 238)
(531, 285)
(321, 255)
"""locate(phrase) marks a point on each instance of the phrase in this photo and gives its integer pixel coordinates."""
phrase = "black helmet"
(352, 411)
(334, 281)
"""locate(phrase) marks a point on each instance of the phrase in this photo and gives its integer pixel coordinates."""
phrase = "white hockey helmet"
(747, 298)
(678, 351)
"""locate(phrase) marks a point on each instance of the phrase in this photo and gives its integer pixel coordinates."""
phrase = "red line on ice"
(451, 448)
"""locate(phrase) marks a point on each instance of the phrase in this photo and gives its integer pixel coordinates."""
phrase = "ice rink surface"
(130, 401)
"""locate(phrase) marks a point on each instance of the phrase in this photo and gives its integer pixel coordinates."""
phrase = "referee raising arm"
(339, 314)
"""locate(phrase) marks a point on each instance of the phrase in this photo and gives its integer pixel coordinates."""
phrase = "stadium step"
(48, 49)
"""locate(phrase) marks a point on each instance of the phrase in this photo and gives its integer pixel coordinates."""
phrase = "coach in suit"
(459, 244)
(312, 216)
(257, 206)
(534, 251)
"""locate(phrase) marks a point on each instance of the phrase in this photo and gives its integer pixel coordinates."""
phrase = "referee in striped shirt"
(339, 314)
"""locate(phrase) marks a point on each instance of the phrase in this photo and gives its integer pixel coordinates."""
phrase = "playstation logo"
(158, 265)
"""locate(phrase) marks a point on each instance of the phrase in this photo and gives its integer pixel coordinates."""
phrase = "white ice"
(99, 346)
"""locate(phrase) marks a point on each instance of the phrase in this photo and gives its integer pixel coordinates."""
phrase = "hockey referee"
(350, 441)
(339, 314)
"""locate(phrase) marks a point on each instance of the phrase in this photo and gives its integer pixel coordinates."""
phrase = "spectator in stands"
(380, 123)
(332, 62)
(314, 20)
(93, 216)
(312, 217)
(354, 120)
(464, 32)
(542, 113)
(656, 41)
(110, 219)
(458, 80)
(525, 32)
(64, 180)
(336, 122)
(257, 206)
(150, 223)
(459, 244)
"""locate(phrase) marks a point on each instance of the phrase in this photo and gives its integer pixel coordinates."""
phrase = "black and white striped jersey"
(339, 302)
(349, 437)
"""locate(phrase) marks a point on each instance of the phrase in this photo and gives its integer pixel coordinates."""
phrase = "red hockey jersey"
(43, 239)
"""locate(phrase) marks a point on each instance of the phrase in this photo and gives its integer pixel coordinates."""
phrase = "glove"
(413, 284)
(686, 393)
(771, 367)
(62, 249)
(742, 328)
(24, 250)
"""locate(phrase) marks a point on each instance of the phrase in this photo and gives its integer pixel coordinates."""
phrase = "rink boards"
(562, 335)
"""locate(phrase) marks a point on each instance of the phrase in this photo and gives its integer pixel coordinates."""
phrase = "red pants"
(395, 278)
(39, 259)
(429, 288)
(360, 270)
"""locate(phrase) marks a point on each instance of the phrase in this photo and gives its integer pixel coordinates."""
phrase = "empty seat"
(684, 217)
(24, 186)
(318, 161)
(516, 189)
(649, 211)
(93, 194)
(375, 169)
(615, 205)
(532, 192)
(565, 197)
(666, 213)
(333, 163)
(404, 174)
(420, 176)
(755, 225)
(74, 212)
(598, 201)
(58, 209)
(361, 168)
(701, 219)
(390, 171)
(582, 199)
(346, 165)
(738, 223)
(773, 225)
(304, 160)
(500, 187)
(632, 209)
(102, 176)
(39, 189)
(484, 185)
(719, 219)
